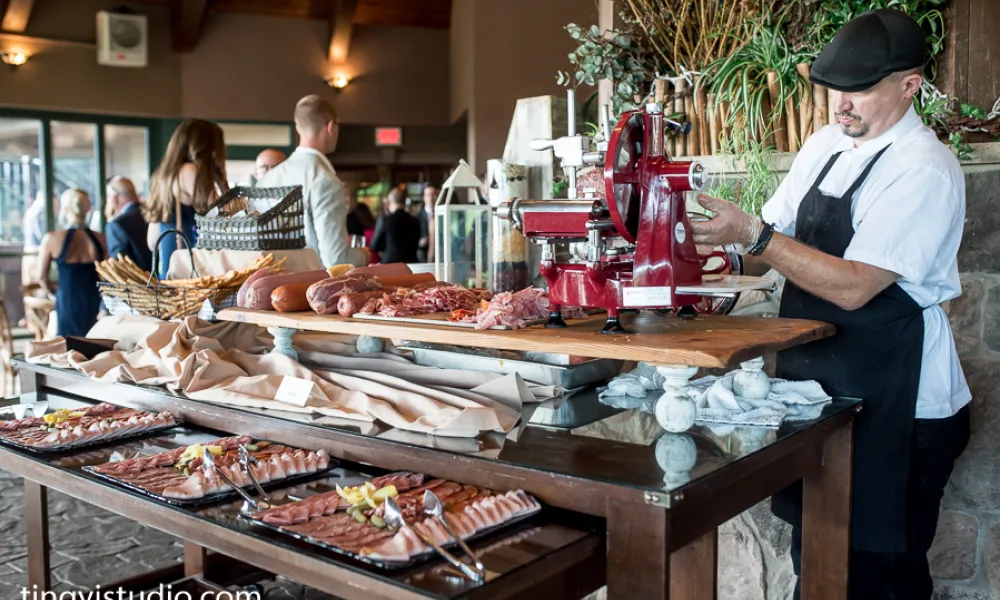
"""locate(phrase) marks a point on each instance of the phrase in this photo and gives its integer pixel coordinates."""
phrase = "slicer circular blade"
(621, 174)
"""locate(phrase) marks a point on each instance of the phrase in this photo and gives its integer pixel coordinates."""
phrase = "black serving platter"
(321, 486)
(195, 438)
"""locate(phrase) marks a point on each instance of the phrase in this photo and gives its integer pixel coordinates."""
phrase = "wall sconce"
(338, 82)
(14, 59)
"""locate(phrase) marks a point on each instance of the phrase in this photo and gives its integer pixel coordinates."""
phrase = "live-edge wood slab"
(707, 341)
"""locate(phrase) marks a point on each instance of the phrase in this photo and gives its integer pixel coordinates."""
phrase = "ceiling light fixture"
(14, 59)
(338, 82)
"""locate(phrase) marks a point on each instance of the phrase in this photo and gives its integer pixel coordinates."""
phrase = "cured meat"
(241, 295)
(92, 424)
(258, 295)
(382, 270)
(513, 310)
(427, 298)
(160, 474)
(323, 296)
(290, 298)
(348, 304)
(468, 509)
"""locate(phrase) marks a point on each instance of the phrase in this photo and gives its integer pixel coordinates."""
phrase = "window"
(126, 153)
(74, 164)
(22, 219)
(20, 181)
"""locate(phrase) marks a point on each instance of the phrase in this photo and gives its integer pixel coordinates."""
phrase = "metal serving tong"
(247, 459)
(434, 508)
(394, 521)
(208, 466)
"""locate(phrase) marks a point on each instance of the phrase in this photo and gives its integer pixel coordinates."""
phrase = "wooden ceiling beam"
(188, 18)
(17, 15)
(341, 29)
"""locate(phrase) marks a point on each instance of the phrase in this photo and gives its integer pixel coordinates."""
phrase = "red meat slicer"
(639, 249)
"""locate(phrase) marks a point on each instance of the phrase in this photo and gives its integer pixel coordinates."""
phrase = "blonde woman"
(74, 251)
(189, 178)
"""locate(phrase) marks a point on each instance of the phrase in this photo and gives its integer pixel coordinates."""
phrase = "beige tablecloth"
(230, 363)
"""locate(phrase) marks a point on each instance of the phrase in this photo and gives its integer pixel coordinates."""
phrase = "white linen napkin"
(792, 400)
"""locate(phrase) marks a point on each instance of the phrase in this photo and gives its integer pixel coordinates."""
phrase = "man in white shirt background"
(866, 229)
(318, 127)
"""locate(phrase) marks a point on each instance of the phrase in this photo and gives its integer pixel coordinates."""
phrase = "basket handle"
(156, 253)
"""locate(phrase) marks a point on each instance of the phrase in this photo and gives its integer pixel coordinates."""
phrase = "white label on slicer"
(646, 296)
(680, 233)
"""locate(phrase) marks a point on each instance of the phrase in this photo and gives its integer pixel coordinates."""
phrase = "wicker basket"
(280, 228)
(165, 302)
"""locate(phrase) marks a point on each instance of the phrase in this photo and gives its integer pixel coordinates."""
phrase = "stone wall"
(754, 563)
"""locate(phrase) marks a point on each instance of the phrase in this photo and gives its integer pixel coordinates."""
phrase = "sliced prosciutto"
(513, 310)
(92, 424)
(167, 475)
(327, 518)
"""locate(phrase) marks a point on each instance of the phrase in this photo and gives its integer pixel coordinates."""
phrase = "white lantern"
(462, 230)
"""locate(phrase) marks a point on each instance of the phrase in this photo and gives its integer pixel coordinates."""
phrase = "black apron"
(875, 355)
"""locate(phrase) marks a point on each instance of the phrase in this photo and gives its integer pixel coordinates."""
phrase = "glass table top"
(577, 436)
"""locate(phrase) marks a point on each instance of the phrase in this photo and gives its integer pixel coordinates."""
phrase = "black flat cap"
(866, 50)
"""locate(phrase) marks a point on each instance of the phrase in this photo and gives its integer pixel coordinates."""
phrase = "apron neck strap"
(849, 194)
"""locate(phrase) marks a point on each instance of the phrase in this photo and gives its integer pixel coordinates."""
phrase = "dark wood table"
(660, 498)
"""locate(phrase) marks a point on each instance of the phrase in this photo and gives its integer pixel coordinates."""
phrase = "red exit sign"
(388, 136)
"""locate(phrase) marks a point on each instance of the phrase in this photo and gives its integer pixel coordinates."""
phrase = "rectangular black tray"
(429, 554)
(217, 496)
(85, 443)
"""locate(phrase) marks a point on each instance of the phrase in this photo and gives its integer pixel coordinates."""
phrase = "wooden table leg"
(638, 562)
(694, 569)
(826, 520)
(195, 559)
(36, 517)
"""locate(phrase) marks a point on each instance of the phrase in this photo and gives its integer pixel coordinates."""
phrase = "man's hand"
(730, 225)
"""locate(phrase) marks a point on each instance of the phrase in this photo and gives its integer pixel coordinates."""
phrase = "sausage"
(378, 270)
(259, 293)
(291, 297)
(348, 304)
(405, 280)
(324, 294)
(241, 296)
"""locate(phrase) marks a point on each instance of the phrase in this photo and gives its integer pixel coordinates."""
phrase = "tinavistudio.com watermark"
(164, 592)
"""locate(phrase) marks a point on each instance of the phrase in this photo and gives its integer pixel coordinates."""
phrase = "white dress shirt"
(325, 204)
(908, 218)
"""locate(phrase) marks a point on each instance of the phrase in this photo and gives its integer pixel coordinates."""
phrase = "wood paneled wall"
(969, 67)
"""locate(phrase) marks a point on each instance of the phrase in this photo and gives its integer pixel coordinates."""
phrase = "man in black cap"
(866, 228)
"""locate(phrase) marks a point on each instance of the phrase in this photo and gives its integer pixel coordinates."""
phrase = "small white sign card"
(294, 391)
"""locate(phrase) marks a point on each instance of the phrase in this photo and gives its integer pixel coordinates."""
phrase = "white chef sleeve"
(909, 222)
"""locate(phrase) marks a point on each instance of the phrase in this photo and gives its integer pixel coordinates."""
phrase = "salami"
(241, 296)
(324, 294)
(258, 294)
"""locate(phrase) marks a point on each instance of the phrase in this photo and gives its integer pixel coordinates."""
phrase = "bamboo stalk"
(792, 120)
(806, 105)
(820, 99)
(767, 135)
(831, 109)
(692, 144)
(701, 97)
(660, 91)
(776, 113)
(680, 86)
(714, 126)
